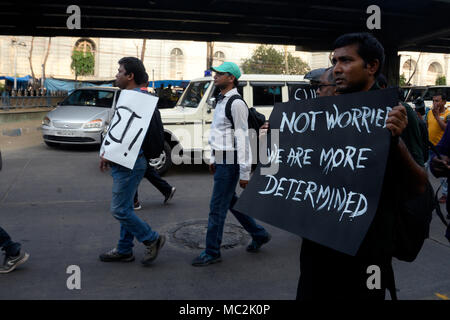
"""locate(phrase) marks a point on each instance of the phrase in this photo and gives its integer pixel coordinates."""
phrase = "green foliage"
(2, 87)
(441, 81)
(267, 60)
(402, 80)
(83, 63)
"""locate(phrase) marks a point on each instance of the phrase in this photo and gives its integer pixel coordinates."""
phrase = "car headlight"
(46, 121)
(97, 123)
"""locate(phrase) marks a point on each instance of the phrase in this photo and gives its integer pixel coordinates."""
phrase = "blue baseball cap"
(229, 67)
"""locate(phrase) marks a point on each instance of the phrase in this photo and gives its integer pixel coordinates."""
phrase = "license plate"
(65, 133)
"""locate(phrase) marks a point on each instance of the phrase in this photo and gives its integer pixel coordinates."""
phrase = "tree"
(268, 60)
(441, 81)
(82, 63)
(45, 61)
(402, 80)
(30, 59)
(144, 43)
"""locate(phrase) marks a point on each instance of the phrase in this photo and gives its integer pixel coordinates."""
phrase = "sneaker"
(152, 249)
(11, 262)
(170, 196)
(115, 256)
(443, 199)
(254, 245)
(137, 206)
(204, 259)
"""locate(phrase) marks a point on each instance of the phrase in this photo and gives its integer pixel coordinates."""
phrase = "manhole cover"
(192, 235)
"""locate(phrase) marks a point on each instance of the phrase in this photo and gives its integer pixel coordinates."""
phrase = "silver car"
(82, 117)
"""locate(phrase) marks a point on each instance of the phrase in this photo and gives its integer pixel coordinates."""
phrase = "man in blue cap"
(230, 162)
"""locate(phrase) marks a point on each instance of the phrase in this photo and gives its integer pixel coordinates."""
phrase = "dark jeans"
(159, 183)
(125, 183)
(339, 276)
(11, 248)
(223, 198)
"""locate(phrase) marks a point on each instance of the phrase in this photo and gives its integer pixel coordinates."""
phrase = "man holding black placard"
(358, 59)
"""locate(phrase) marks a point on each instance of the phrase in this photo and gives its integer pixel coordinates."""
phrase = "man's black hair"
(369, 48)
(135, 66)
(442, 94)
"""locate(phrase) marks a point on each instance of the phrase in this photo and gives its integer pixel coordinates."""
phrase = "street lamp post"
(15, 43)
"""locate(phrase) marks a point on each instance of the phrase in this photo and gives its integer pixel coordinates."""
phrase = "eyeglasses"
(320, 86)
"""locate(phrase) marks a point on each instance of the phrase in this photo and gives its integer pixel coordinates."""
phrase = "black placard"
(331, 169)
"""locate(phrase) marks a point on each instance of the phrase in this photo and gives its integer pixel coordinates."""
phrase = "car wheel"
(51, 144)
(164, 161)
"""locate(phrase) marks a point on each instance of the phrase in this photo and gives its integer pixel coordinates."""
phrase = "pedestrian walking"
(130, 74)
(230, 164)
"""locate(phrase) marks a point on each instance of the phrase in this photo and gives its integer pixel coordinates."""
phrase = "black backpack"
(255, 121)
(412, 223)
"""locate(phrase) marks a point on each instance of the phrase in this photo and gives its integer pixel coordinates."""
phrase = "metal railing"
(50, 99)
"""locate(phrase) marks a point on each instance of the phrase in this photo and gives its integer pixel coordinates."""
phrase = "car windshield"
(90, 98)
(193, 94)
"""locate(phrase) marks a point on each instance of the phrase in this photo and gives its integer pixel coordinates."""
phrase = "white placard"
(127, 130)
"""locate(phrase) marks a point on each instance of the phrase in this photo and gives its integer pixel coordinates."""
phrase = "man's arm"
(441, 122)
(415, 174)
(239, 111)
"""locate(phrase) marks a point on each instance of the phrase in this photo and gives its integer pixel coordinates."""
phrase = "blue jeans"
(11, 248)
(125, 183)
(223, 198)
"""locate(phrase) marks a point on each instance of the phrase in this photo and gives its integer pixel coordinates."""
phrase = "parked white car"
(187, 125)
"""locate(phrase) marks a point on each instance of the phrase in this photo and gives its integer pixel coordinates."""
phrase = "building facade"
(169, 59)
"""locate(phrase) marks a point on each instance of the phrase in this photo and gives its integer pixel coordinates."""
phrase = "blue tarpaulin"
(68, 85)
(22, 82)
(165, 83)
(21, 79)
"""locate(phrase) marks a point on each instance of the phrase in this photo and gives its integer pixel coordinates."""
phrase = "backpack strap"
(228, 107)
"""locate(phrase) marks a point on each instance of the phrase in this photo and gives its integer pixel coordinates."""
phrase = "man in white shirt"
(230, 162)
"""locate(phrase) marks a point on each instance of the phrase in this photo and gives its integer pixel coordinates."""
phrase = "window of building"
(219, 58)
(85, 45)
(176, 64)
(435, 70)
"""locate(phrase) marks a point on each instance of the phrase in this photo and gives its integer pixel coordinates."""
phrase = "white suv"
(187, 125)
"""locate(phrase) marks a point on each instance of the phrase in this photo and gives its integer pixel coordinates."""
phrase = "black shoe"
(170, 195)
(152, 249)
(255, 245)
(205, 259)
(11, 263)
(114, 256)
